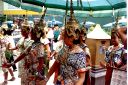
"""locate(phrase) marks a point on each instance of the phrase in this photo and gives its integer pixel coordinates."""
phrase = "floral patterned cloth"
(119, 77)
(22, 45)
(74, 61)
(36, 52)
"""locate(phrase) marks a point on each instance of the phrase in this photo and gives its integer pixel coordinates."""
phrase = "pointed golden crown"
(40, 25)
(72, 24)
(114, 29)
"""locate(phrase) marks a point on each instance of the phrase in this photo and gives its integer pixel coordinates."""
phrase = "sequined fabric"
(114, 56)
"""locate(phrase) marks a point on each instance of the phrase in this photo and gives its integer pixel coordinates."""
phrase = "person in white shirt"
(50, 36)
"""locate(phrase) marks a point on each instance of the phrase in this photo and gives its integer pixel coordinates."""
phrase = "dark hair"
(77, 41)
(125, 32)
(35, 35)
(83, 32)
(55, 25)
(7, 32)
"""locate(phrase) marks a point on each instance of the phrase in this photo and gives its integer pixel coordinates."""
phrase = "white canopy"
(121, 22)
(98, 33)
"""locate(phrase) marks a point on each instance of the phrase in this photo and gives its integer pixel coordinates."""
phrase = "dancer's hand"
(124, 67)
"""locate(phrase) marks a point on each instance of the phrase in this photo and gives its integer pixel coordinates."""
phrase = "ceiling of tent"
(87, 5)
(82, 7)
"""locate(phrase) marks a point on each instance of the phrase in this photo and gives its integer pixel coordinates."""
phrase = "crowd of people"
(39, 44)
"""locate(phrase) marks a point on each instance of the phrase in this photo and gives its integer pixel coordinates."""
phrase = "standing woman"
(22, 44)
(72, 67)
(34, 64)
(72, 62)
(114, 57)
(88, 56)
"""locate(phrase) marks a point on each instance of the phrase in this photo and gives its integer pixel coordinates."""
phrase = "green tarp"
(87, 5)
(95, 8)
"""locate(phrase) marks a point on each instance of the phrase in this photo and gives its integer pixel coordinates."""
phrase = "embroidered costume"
(114, 57)
(70, 63)
(22, 45)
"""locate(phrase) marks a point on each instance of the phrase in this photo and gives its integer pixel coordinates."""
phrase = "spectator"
(56, 32)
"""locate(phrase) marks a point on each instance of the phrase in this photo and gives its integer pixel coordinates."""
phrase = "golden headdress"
(25, 25)
(114, 29)
(72, 24)
(39, 26)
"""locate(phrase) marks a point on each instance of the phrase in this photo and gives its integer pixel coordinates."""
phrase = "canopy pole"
(71, 9)
(78, 3)
(65, 17)
(113, 14)
(81, 4)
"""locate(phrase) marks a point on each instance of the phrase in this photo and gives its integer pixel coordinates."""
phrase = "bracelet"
(12, 63)
(46, 79)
